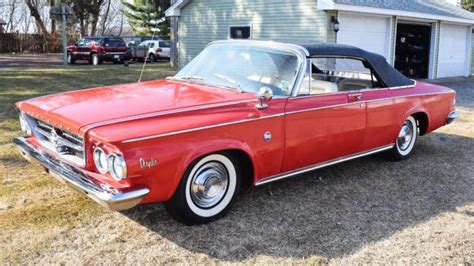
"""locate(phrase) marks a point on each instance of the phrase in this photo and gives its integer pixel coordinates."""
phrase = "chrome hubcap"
(405, 136)
(209, 185)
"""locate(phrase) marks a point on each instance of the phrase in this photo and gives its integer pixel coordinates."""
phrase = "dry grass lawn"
(420, 211)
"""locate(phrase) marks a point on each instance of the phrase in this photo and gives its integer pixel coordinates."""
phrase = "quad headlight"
(117, 166)
(100, 160)
(110, 163)
(25, 127)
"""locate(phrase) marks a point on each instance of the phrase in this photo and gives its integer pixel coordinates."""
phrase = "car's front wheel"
(406, 140)
(207, 190)
(152, 58)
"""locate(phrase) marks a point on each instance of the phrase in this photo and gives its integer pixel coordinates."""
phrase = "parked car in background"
(135, 41)
(241, 113)
(97, 50)
(157, 49)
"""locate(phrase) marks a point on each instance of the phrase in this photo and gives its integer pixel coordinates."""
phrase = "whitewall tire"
(406, 139)
(95, 59)
(207, 190)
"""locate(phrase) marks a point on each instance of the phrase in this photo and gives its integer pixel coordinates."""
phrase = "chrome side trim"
(407, 96)
(357, 102)
(101, 193)
(199, 128)
(323, 107)
(271, 116)
(169, 112)
(270, 179)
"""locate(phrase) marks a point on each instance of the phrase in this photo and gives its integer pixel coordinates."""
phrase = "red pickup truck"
(97, 50)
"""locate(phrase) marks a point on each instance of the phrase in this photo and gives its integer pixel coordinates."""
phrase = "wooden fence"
(31, 43)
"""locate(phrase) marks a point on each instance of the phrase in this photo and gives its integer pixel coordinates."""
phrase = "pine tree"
(468, 5)
(142, 14)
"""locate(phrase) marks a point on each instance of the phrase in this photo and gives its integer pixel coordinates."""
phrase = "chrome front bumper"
(452, 116)
(103, 194)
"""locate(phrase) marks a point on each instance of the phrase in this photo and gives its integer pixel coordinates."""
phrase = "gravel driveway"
(365, 211)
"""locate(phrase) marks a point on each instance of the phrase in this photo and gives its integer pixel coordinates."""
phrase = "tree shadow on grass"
(335, 211)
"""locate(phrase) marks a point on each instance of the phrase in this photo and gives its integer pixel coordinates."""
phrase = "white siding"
(203, 21)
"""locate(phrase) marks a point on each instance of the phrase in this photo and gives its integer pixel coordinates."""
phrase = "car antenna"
(147, 52)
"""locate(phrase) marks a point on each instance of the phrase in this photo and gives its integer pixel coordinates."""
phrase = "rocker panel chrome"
(321, 165)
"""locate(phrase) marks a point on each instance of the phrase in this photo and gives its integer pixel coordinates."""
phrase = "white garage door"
(453, 51)
(371, 33)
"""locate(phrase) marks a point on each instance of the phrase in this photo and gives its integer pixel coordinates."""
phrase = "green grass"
(28, 195)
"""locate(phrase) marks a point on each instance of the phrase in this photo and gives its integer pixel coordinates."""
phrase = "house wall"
(203, 21)
(472, 51)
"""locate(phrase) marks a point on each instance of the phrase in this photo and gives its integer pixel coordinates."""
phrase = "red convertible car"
(242, 113)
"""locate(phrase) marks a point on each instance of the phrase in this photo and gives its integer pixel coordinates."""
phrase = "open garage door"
(371, 33)
(453, 51)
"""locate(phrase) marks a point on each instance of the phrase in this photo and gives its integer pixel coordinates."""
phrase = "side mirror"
(264, 95)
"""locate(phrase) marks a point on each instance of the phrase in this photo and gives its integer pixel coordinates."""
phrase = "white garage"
(422, 39)
(454, 50)
(368, 32)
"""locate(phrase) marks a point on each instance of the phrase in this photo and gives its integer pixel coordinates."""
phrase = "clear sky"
(454, 2)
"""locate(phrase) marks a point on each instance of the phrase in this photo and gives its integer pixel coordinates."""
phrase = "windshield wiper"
(191, 78)
(229, 80)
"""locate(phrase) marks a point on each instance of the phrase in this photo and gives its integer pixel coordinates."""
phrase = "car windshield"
(244, 67)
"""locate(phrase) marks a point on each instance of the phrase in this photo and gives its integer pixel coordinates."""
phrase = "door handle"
(355, 96)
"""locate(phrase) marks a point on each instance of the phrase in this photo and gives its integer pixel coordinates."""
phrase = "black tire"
(187, 204)
(406, 140)
(152, 58)
(70, 58)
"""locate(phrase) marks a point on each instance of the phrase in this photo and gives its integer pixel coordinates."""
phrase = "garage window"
(239, 32)
(329, 75)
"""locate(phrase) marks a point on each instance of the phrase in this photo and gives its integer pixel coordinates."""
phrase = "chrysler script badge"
(148, 164)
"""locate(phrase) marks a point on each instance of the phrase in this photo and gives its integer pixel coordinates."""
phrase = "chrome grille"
(67, 145)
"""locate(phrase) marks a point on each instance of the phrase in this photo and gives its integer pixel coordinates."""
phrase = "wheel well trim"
(221, 147)
(415, 112)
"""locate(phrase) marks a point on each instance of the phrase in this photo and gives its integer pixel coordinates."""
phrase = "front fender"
(203, 148)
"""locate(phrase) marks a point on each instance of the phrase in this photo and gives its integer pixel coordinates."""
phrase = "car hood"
(77, 110)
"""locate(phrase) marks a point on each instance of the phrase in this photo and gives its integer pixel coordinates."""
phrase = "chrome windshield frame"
(297, 50)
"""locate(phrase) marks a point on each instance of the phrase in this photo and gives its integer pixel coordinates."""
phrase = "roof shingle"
(435, 7)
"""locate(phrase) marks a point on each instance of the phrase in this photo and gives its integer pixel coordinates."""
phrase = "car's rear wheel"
(406, 140)
(70, 58)
(207, 190)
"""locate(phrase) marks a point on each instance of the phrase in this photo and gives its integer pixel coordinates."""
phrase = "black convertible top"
(389, 75)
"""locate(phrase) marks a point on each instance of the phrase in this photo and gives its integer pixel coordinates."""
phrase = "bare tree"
(105, 17)
(12, 6)
(94, 10)
(34, 7)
